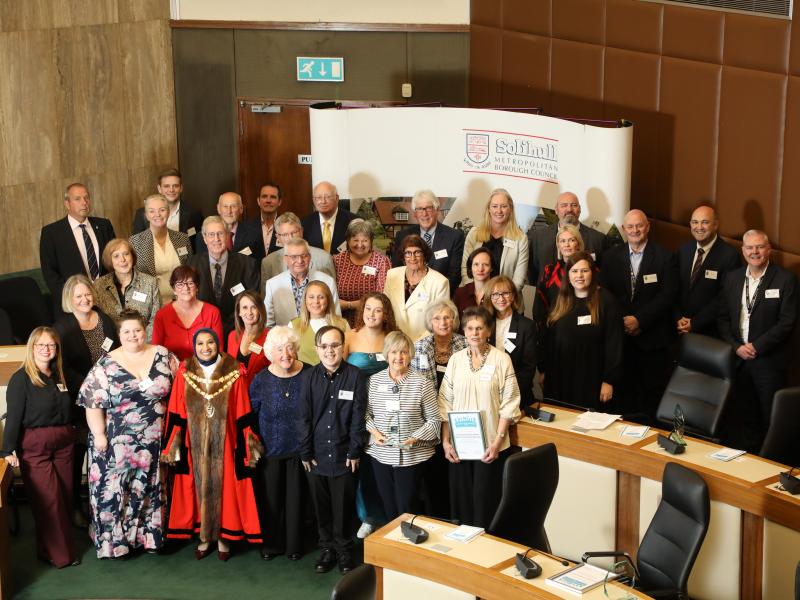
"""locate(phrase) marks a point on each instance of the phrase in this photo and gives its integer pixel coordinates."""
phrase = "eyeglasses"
(410, 253)
(424, 209)
(45, 346)
(497, 295)
(326, 347)
(184, 285)
(325, 197)
(297, 257)
(215, 234)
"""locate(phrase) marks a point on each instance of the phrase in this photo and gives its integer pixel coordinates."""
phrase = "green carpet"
(176, 575)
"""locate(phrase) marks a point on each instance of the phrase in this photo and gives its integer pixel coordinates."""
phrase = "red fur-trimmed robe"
(212, 493)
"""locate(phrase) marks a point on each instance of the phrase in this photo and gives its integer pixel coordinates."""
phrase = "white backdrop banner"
(464, 153)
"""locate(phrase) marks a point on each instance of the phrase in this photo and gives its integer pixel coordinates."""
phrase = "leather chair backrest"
(530, 479)
(782, 443)
(358, 584)
(676, 533)
(22, 299)
(6, 332)
(701, 384)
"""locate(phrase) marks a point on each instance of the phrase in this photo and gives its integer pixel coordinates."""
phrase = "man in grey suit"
(542, 240)
(288, 227)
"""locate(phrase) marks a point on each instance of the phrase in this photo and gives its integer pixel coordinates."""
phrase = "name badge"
(650, 278)
(139, 296)
(246, 251)
(254, 348)
(509, 243)
(144, 384)
(106, 345)
(381, 358)
(592, 254)
(486, 373)
(711, 274)
(393, 405)
(509, 346)
(369, 270)
(511, 335)
(422, 296)
(345, 394)
(441, 368)
(585, 320)
(182, 251)
(237, 289)
(190, 232)
(440, 254)
(342, 247)
(61, 387)
(776, 293)
(423, 362)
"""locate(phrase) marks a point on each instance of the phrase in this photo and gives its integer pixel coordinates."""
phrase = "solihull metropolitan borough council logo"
(478, 147)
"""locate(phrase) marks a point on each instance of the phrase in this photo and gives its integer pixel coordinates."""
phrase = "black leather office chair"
(358, 584)
(22, 299)
(782, 443)
(673, 539)
(6, 331)
(530, 479)
(701, 384)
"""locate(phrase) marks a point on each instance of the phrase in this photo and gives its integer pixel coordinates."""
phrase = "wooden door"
(272, 134)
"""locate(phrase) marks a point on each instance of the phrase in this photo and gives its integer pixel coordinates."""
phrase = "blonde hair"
(573, 229)
(330, 310)
(69, 287)
(483, 232)
(29, 364)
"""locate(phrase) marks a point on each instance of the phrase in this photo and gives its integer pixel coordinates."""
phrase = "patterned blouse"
(353, 281)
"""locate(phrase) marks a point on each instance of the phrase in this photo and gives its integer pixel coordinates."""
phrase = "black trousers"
(749, 412)
(436, 480)
(279, 493)
(646, 376)
(476, 488)
(398, 487)
(335, 507)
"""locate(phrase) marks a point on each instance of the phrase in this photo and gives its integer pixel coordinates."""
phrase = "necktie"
(326, 236)
(218, 281)
(91, 257)
(229, 243)
(698, 262)
(427, 237)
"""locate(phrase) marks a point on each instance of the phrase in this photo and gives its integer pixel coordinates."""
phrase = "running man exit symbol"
(320, 68)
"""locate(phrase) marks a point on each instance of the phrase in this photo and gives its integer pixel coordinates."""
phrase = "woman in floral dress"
(124, 396)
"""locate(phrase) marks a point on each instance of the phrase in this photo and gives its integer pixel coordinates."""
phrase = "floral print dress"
(125, 481)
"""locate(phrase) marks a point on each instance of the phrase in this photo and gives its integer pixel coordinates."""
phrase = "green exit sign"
(320, 68)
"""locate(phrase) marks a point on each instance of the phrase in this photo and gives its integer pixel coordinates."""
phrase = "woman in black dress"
(582, 356)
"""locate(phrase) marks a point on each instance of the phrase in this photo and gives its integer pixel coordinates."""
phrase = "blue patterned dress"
(125, 491)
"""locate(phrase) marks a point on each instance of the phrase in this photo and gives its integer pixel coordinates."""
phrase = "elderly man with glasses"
(326, 227)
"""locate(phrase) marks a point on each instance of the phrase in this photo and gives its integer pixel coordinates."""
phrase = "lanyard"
(749, 302)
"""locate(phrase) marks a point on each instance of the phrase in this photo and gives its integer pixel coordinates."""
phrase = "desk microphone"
(790, 482)
(538, 414)
(526, 567)
(413, 533)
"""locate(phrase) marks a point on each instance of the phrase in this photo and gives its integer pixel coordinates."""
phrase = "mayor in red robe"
(211, 443)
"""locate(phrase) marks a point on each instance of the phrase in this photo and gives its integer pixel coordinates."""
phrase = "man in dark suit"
(262, 227)
(643, 277)
(222, 275)
(240, 239)
(703, 265)
(326, 227)
(73, 244)
(447, 243)
(182, 217)
(757, 313)
(542, 240)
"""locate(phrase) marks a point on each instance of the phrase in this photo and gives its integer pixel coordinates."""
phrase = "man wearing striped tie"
(73, 245)
(326, 227)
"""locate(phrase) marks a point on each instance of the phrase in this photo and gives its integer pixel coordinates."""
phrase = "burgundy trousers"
(46, 461)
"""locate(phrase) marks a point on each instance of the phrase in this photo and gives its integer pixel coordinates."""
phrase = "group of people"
(341, 365)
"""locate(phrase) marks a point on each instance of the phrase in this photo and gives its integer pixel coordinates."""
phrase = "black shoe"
(326, 561)
(295, 556)
(267, 555)
(346, 563)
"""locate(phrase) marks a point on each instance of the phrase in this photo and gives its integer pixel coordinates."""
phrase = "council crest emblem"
(478, 147)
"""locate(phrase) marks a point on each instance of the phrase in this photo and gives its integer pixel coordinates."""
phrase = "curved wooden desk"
(484, 567)
(744, 485)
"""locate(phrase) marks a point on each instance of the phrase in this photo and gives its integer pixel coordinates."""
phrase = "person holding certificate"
(403, 421)
(479, 387)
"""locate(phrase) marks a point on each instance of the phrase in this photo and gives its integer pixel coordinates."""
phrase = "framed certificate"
(467, 435)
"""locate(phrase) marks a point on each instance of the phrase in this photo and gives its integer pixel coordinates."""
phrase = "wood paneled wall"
(86, 94)
(715, 98)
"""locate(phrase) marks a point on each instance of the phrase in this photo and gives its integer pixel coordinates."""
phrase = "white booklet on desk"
(580, 579)
(594, 420)
(726, 454)
(464, 533)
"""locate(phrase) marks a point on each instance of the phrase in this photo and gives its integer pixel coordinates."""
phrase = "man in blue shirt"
(332, 436)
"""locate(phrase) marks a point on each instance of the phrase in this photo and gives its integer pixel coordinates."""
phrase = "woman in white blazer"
(415, 286)
(502, 236)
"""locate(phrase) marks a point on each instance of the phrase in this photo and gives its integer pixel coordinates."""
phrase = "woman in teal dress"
(363, 347)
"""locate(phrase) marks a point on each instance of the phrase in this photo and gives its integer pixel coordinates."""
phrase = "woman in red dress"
(211, 442)
(246, 342)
